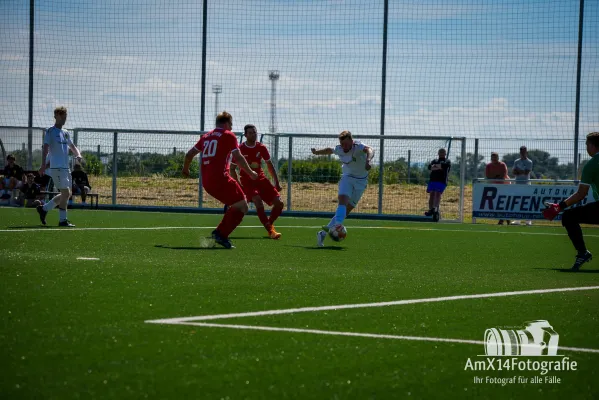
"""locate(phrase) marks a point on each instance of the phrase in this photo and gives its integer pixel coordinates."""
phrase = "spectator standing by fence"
(497, 170)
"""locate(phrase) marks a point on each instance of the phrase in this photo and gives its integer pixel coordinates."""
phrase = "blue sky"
(487, 68)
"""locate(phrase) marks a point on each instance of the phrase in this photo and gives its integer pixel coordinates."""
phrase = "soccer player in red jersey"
(261, 189)
(217, 146)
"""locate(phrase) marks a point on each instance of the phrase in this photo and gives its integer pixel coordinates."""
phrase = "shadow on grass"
(318, 248)
(580, 271)
(249, 237)
(162, 246)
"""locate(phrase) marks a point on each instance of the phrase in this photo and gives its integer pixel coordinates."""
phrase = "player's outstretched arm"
(45, 151)
(233, 172)
(273, 172)
(553, 210)
(188, 158)
(243, 164)
(369, 156)
(322, 152)
(74, 149)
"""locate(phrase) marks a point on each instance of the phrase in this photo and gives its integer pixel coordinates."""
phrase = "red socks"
(230, 221)
(263, 218)
(274, 214)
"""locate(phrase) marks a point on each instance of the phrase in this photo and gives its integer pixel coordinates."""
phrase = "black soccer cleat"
(581, 259)
(430, 212)
(226, 243)
(436, 216)
(66, 223)
(42, 213)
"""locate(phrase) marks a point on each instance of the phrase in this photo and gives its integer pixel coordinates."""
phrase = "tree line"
(313, 169)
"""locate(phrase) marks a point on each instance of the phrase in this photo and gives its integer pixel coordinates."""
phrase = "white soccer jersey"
(354, 161)
(59, 141)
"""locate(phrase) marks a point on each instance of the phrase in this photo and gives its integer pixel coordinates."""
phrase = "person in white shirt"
(522, 169)
(57, 143)
(356, 158)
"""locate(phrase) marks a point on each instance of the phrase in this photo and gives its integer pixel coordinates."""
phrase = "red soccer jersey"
(215, 147)
(254, 156)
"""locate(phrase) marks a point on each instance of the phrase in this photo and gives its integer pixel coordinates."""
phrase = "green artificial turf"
(74, 328)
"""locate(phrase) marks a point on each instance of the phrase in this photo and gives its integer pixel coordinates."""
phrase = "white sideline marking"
(365, 305)
(87, 258)
(405, 228)
(357, 334)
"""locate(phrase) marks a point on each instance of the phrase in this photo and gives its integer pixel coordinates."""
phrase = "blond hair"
(345, 135)
(62, 110)
(223, 117)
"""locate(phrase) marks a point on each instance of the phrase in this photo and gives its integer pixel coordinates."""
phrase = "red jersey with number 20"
(215, 148)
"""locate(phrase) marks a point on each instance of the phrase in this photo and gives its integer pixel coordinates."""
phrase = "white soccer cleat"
(320, 238)
(528, 223)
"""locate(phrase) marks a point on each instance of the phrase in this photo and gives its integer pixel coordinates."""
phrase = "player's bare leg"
(431, 204)
(437, 204)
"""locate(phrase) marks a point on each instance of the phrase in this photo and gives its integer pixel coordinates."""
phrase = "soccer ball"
(338, 232)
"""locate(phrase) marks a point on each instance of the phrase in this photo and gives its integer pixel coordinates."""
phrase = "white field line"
(358, 334)
(365, 305)
(88, 258)
(404, 228)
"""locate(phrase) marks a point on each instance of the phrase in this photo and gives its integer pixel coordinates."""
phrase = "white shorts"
(353, 188)
(61, 177)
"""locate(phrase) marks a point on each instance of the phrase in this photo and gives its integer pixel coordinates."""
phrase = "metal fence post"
(475, 167)
(409, 165)
(276, 162)
(381, 172)
(462, 180)
(289, 173)
(200, 188)
(115, 149)
(578, 78)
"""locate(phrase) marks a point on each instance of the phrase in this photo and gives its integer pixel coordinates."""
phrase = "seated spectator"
(13, 174)
(4, 194)
(81, 184)
(32, 196)
(497, 170)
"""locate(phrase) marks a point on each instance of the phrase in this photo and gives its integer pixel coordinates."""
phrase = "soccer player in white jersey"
(57, 142)
(356, 158)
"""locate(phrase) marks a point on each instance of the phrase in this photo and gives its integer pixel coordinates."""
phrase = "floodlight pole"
(30, 119)
(216, 89)
(273, 75)
(578, 77)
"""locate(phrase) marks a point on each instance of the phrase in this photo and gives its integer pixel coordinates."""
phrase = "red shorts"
(226, 190)
(260, 187)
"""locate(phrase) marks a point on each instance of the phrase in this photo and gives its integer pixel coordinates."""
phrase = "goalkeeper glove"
(553, 210)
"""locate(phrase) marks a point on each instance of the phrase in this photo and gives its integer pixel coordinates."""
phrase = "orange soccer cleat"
(274, 234)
